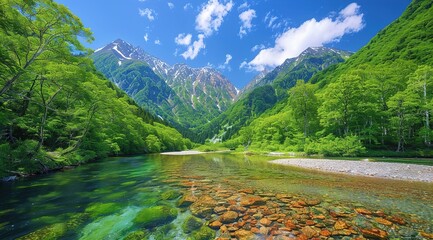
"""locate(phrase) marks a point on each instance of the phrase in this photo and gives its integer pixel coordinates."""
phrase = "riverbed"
(211, 195)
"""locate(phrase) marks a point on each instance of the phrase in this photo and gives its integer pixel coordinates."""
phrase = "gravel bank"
(398, 171)
(183, 153)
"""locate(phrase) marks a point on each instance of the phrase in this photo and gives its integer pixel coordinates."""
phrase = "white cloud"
(243, 6)
(246, 17)
(271, 21)
(258, 47)
(228, 58)
(244, 64)
(147, 12)
(187, 6)
(146, 37)
(211, 16)
(157, 42)
(311, 33)
(170, 5)
(195, 48)
(183, 39)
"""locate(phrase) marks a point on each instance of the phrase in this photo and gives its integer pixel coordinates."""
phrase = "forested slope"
(55, 108)
(381, 98)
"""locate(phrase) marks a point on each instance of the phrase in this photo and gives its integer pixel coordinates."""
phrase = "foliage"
(55, 109)
(330, 145)
(380, 98)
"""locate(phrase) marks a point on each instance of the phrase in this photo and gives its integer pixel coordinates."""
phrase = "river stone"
(229, 217)
(54, 231)
(170, 195)
(252, 200)
(374, 233)
(340, 225)
(154, 216)
(243, 234)
(97, 209)
(186, 200)
(310, 232)
(191, 223)
(137, 235)
(215, 224)
(203, 207)
(204, 233)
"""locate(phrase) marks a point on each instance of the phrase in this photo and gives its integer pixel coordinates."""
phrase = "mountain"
(304, 66)
(379, 99)
(264, 91)
(184, 96)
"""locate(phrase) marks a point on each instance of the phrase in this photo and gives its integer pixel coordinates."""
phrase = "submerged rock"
(203, 207)
(229, 217)
(54, 231)
(137, 235)
(191, 223)
(98, 209)
(374, 233)
(186, 200)
(154, 216)
(252, 200)
(204, 233)
(170, 195)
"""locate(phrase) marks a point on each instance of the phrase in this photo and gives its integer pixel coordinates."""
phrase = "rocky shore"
(398, 171)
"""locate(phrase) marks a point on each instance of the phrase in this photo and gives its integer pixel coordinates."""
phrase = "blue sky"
(237, 37)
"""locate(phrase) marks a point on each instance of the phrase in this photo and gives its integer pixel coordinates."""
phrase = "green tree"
(421, 83)
(303, 101)
(403, 108)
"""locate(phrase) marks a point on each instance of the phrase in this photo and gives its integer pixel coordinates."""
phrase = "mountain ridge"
(190, 96)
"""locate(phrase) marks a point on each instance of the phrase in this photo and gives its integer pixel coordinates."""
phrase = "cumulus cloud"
(146, 37)
(157, 42)
(311, 33)
(195, 48)
(147, 12)
(228, 58)
(211, 16)
(207, 22)
(183, 39)
(243, 6)
(246, 18)
(258, 47)
(170, 5)
(187, 6)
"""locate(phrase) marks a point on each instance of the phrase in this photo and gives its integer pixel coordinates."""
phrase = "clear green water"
(100, 200)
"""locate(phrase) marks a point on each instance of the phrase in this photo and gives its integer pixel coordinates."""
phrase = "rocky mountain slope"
(184, 96)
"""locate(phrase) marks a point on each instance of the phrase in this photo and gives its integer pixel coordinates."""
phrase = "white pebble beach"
(399, 171)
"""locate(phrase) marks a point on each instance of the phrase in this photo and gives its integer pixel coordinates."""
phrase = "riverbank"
(398, 171)
(182, 153)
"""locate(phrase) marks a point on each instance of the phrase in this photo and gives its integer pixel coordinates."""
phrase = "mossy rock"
(54, 231)
(137, 235)
(76, 220)
(97, 209)
(170, 195)
(155, 216)
(204, 233)
(191, 223)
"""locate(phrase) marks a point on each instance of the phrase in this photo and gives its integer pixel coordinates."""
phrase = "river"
(238, 196)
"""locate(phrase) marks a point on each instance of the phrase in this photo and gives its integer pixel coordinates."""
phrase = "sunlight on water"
(103, 200)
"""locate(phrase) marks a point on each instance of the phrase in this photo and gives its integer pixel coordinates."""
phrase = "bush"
(330, 145)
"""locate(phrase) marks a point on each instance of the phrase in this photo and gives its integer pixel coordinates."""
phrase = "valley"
(162, 138)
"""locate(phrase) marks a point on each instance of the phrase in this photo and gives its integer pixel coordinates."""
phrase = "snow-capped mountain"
(201, 92)
(304, 66)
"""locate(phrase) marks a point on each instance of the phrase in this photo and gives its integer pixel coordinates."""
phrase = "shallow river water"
(237, 196)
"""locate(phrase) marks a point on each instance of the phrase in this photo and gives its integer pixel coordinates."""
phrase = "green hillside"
(379, 99)
(55, 108)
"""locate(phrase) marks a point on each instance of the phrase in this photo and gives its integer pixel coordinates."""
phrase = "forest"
(55, 108)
